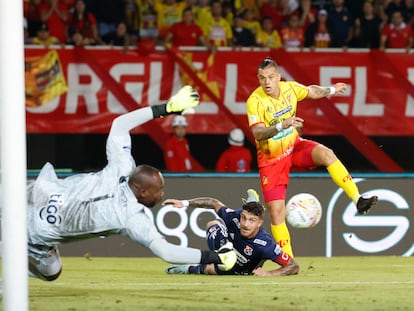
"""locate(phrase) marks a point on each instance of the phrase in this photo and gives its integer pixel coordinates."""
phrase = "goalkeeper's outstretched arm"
(168, 252)
(186, 98)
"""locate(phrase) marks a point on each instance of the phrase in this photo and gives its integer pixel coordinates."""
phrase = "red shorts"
(275, 178)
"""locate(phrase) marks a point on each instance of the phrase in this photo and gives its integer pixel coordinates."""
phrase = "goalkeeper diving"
(241, 228)
(115, 200)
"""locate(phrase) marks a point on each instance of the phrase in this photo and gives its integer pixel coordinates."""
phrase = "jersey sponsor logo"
(282, 112)
(248, 250)
(241, 260)
(236, 222)
(260, 242)
(50, 212)
(283, 133)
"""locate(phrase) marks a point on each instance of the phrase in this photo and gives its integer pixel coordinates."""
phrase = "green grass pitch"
(339, 283)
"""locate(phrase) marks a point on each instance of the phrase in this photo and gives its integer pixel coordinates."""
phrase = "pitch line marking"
(279, 283)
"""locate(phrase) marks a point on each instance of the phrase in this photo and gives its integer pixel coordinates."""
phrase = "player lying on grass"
(112, 201)
(242, 228)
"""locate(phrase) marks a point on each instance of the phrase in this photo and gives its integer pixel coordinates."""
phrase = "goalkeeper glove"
(252, 196)
(186, 98)
(227, 257)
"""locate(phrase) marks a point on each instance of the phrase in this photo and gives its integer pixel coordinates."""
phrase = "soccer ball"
(303, 211)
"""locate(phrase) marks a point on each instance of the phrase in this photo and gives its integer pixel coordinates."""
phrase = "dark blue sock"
(199, 269)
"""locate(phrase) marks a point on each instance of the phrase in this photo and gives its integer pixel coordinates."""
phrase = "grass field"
(339, 283)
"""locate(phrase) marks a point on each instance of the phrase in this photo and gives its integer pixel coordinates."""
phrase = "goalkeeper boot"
(364, 204)
(252, 196)
(177, 269)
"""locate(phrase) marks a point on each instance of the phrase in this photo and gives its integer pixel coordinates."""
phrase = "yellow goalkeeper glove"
(185, 99)
(227, 256)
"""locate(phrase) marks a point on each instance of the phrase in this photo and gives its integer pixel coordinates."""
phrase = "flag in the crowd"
(44, 79)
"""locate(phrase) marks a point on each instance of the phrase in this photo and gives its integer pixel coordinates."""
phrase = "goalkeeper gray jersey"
(92, 204)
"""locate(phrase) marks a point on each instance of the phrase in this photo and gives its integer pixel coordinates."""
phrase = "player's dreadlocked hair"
(268, 61)
(255, 208)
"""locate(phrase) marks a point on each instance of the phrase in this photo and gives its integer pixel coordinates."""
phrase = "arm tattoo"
(204, 203)
(319, 91)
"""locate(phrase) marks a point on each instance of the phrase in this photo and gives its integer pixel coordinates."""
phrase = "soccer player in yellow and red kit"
(271, 111)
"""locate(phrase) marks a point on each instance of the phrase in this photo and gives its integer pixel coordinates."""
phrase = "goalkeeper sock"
(343, 179)
(282, 237)
(199, 269)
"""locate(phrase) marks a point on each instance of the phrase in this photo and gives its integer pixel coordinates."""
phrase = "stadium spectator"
(271, 111)
(243, 229)
(177, 154)
(26, 35)
(367, 28)
(115, 200)
(397, 34)
(250, 22)
(120, 37)
(202, 13)
(409, 6)
(44, 37)
(108, 14)
(236, 158)
(148, 20)
(292, 34)
(31, 11)
(242, 37)
(393, 6)
(274, 10)
(217, 30)
(132, 19)
(268, 36)
(83, 22)
(250, 5)
(186, 32)
(169, 12)
(307, 13)
(319, 34)
(54, 13)
(341, 22)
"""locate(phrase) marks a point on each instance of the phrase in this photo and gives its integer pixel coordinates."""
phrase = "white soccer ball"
(303, 211)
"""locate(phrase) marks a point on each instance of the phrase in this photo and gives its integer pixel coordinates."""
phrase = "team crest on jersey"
(264, 180)
(289, 97)
(253, 119)
(248, 250)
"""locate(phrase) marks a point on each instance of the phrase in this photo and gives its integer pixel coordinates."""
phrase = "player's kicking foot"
(177, 269)
(364, 204)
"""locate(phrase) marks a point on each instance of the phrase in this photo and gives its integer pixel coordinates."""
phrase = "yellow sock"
(282, 237)
(343, 179)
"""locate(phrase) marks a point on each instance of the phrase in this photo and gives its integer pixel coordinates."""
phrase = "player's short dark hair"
(268, 61)
(255, 208)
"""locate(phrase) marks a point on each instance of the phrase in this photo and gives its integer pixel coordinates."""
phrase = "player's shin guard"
(217, 236)
(282, 237)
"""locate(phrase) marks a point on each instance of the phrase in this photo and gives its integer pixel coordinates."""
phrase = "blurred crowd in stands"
(215, 23)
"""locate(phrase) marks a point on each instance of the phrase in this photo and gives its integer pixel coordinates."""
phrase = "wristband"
(279, 126)
(332, 90)
(185, 203)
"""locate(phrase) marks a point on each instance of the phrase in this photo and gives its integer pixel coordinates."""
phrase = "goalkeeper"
(115, 200)
(241, 228)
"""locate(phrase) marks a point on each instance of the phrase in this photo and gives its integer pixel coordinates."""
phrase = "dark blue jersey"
(251, 253)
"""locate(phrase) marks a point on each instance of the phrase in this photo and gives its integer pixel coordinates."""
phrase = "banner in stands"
(379, 99)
